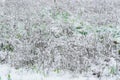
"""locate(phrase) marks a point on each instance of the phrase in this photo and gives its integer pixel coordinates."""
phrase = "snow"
(23, 74)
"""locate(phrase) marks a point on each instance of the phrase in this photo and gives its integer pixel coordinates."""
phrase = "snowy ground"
(9, 73)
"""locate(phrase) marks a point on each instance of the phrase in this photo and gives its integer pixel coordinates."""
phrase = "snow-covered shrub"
(56, 36)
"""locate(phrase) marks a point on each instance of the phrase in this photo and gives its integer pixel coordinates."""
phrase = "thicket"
(58, 36)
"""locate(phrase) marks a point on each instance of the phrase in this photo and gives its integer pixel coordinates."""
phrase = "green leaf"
(57, 70)
(78, 27)
(9, 76)
(83, 33)
(112, 70)
(18, 36)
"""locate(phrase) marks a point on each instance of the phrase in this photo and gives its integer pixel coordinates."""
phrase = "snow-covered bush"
(57, 35)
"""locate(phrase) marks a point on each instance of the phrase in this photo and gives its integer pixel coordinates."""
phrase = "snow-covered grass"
(82, 38)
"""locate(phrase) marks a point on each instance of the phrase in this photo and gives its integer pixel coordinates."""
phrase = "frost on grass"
(61, 36)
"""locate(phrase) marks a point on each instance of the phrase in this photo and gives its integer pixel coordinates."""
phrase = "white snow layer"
(9, 73)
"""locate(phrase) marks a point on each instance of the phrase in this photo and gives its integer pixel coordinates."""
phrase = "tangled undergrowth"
(55, 39)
